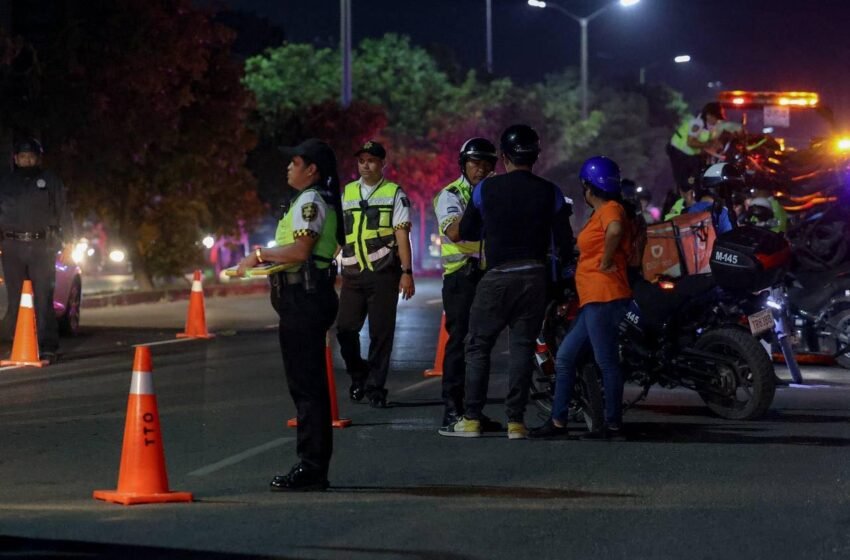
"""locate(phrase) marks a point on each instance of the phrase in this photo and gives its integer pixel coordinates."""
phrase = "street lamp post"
(345, 47)
(583, 23)
(489, 37)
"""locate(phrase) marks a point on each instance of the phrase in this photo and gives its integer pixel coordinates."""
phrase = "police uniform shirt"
(308, 214)
(33, 202)
(401, 204)
(449, 207)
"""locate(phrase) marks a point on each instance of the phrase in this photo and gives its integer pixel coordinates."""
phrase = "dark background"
(744, 44)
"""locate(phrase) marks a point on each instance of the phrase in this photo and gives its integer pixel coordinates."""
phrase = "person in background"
(377, 265)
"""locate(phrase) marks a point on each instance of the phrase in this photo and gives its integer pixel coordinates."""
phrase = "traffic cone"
(196, 320)
(25, 343)
(437, 370)
(336, 421)
(141, 477)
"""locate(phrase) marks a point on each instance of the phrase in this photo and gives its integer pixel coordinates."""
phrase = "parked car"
(67, 297)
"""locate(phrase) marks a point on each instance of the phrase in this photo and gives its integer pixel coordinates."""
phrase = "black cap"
(315, 151)
(372, 148)
(28, 145)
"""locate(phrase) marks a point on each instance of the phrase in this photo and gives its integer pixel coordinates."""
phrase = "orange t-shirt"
(593, 285)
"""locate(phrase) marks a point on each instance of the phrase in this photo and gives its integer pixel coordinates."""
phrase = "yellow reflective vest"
(369, 234)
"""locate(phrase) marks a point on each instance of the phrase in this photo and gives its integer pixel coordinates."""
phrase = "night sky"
(745, 44)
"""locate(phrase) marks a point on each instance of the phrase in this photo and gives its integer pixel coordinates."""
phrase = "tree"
(147, 106)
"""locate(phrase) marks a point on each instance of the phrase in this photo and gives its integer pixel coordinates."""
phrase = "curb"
(158, 296)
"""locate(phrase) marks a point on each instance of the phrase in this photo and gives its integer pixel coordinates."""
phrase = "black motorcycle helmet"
(521, 144)
(477, 149)
(714, 109)
(24, 145)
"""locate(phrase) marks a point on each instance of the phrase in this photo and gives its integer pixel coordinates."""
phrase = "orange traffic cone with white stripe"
(196, 320)
(336, 421)
(25, 344)
(141, 477)
(437, 370)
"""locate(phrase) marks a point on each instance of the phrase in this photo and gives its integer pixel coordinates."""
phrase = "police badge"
(41, 183)
(310, 211)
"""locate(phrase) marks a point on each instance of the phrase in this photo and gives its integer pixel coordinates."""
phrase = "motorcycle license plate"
(761, 322)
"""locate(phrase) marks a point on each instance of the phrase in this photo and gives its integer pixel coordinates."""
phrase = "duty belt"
(24, 235)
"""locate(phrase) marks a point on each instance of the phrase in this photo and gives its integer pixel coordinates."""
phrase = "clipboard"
(264, 269)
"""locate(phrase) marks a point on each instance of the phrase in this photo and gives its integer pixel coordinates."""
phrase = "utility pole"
(345, 47)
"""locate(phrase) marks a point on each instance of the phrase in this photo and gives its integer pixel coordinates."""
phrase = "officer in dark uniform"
(304, 297)
(36, 223)
(518, 216)
(376, 268)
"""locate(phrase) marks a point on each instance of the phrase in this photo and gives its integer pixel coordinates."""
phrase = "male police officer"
(518, 216)
(376, 267)
(462, 266)
(35, 220)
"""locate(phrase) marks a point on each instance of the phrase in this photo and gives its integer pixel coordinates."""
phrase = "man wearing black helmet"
(462, 266)
(36, 222)
(517, 216)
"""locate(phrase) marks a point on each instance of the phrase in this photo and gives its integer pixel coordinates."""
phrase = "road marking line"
(233, 459)
(161, 342)
(10, 367)
(417, 385)
(433, 301)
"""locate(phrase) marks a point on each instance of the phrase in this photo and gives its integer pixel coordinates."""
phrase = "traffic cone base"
(341, 423)
(142, 477)
(25, 343)
(131, 499)
(437, 370)
(40, 363)
(196, 319)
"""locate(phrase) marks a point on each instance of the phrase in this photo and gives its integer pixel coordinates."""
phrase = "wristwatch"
(407, 271)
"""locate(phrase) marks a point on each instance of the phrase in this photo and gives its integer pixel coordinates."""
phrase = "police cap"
(314, 151)
(28, 145)
(372, 148)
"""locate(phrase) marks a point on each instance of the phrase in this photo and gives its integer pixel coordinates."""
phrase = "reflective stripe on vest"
(454, 255)
(369, 232)
(325, 246)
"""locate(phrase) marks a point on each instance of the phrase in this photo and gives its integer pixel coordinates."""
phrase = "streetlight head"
(682, 58)
(627, 3)
(537, 3)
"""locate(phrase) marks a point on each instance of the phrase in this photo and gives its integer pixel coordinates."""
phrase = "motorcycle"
(693, 332)
(819, 315)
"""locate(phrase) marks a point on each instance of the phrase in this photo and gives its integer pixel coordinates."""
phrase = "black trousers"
(686, 169)
(304, 322)
(458, 293)
(373, 295)
(35, 261)
(504, 299)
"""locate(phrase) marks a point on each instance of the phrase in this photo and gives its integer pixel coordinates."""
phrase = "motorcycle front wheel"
(586, 406)
(749, 382)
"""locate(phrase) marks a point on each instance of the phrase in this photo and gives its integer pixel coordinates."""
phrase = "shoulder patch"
(695, 128)
(309, 211)
(405, 202)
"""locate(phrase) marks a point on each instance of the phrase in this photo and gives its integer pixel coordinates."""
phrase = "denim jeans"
(596, 323)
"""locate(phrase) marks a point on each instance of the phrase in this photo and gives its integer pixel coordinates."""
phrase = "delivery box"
(679, 247)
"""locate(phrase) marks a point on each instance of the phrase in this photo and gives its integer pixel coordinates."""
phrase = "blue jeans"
(596, 323)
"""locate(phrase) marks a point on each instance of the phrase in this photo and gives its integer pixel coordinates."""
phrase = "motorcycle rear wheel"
(753, 379)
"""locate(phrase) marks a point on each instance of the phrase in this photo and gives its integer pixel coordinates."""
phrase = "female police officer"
(304, 297)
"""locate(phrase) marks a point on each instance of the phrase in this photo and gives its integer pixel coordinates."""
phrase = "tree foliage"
(145, 104)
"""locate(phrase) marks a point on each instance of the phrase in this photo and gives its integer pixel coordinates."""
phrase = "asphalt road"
(688, 485)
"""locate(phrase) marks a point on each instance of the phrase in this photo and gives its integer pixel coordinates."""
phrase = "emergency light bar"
(749, 99)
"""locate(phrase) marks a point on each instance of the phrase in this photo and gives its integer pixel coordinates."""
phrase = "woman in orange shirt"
(603, 291)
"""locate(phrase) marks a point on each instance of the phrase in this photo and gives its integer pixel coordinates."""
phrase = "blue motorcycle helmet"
(602, 176)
